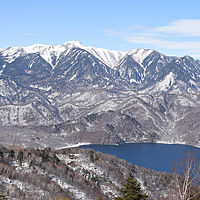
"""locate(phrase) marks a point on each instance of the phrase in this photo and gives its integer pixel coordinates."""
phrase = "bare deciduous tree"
(186, 176)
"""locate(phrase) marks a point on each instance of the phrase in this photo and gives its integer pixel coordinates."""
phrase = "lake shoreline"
(159, 142)
(157, 156)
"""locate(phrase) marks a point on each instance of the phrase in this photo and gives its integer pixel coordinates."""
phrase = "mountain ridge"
(76, 43)
(79, 98)
(141, 68)
(63, 47)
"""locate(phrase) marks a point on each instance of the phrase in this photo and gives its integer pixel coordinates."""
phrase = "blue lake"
(155, 156)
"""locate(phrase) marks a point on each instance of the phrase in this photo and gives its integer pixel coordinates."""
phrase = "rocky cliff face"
(78, 174)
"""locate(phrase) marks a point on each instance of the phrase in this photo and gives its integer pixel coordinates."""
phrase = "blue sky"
(172, 27)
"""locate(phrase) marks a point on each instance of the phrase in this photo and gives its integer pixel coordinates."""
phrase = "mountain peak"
(73, 43)
(140, 54)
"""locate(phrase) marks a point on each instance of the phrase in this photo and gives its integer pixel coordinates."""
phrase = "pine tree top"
(131, 191)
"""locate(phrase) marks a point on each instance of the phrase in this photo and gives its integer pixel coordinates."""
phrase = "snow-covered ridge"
(140, 54)
(108, 57)
(73, 43)
(46, 51)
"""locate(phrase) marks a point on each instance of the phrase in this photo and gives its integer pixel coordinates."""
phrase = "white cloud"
(161, 36)
(169, 44)
(184, 27)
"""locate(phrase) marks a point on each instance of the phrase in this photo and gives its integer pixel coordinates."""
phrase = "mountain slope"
(81, 68)
(156, 73)
(109, 57)
(78, 174)
(69, 92)
(51, 53)
(146, 70)
(102, 117)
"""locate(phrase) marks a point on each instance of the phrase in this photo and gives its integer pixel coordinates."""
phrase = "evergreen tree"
(131, 191)
(20, 156)
(11, 154)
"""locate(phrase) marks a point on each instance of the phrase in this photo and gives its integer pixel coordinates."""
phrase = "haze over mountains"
(78, 94)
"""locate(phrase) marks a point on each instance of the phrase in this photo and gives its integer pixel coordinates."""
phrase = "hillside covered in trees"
(73, 173)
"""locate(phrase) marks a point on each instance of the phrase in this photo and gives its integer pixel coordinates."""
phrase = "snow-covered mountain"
(101, 96)
(52, 52)
(109, 57)
(64, 95)
(144, 70)
(154, 73)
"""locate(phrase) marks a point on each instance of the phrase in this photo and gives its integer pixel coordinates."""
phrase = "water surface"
(155, 156)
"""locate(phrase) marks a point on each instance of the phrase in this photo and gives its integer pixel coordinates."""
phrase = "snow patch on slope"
(23, 186)
(166, 83)
(162, 86)
(109, 57)
(140, 54)
(77, 193)
(89, 170)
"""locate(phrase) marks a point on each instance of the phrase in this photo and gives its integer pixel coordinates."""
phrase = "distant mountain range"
(87, 94)
(140, 70)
